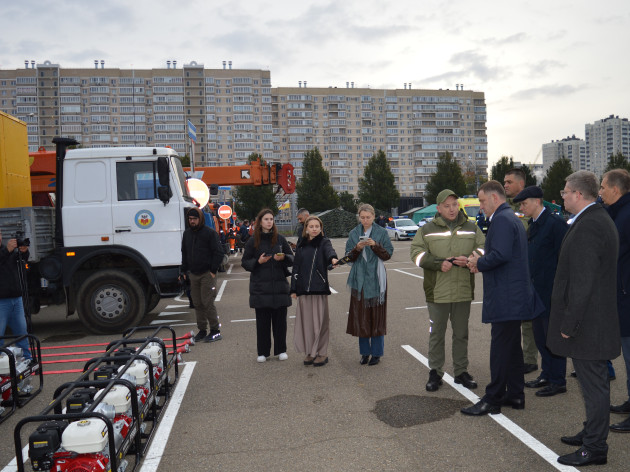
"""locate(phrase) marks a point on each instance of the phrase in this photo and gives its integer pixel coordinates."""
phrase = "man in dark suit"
(508, 299)
(544, 238)
(583, 323)
(615, 192)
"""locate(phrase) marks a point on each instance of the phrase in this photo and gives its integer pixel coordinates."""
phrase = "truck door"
(140, 220)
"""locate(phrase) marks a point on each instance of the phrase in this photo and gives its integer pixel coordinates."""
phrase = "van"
(470, 205)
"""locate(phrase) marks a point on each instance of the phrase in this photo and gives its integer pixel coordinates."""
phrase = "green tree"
(501, 167)
(185, 160)
(554, 180)
(448, 176)
(530, 178)
(378, 185)
(250, 199)
(315, 193)
(617, 161)
(348, 202)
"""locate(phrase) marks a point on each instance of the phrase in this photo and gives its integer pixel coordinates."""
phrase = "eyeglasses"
(564, 192)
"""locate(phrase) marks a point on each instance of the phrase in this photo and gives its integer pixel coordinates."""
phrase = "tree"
(501, 167)
(554, 180)
(185, 160)
(617, 161)
(530, 178)
(250, 199)
(473, 182)
(315, 193)
(378, 185)
(348, 202)
(448, 176)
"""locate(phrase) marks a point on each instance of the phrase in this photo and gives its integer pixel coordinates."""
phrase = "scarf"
(367, 278)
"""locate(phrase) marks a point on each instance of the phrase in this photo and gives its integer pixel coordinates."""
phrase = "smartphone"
(279, 253)
(268, 254)
(363, 238)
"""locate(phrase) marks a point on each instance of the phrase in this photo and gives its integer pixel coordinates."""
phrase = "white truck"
(118, 222)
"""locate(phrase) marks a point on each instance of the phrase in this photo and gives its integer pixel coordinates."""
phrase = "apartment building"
(606, 137)
(571, 148)
(349, 125)
(236, 112)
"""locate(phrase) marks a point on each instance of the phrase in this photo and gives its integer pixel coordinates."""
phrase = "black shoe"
(551, 390)
(573, 440)
(320, 361)
(574, 374)
(527, 368)
(364, 360)
(215, 335)
(466, 380)
(623, 408)
(623, 427)
(537, 383)
(200, 335)
(583, 457)
(374, 360)
(515, 403)
(481, 408)
(434, 381)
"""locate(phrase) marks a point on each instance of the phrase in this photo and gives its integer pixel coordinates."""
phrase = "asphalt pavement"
(231, 413)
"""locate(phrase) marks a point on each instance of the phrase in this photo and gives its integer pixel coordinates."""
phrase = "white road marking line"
(407, 273)
(158, 444)
(171, 313)
(12, 466)
(518, 432)
(229, 271)
(168, 307)
(157, 322)
(220, 294)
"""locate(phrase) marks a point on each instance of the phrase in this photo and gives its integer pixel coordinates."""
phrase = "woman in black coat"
(268, 257)
(309, 285)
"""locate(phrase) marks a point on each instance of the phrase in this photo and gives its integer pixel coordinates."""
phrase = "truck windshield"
(181, 179)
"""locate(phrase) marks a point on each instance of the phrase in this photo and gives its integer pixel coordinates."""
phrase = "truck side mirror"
(164, 190)
(214, 189)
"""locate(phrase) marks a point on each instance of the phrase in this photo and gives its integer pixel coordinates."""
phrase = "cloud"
(512, 39)
(544, 67)
(547, 91)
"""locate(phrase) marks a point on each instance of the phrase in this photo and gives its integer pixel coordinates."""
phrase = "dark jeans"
(553, 368)
(268, 319)
(506, 363)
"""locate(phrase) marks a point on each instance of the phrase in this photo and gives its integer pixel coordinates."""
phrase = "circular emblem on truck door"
(144, 219)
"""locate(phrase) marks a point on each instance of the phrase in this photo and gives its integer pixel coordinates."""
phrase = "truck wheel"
(110, 302)
(152, 301)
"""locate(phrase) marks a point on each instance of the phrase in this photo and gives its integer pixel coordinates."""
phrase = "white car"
(401, 228)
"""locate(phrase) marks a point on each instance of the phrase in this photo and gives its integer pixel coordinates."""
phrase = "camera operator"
(11, 306)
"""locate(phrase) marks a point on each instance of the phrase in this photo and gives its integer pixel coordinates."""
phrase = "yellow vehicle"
(15, 180)
(470, 205)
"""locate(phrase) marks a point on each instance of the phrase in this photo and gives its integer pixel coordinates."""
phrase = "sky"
(546, 67)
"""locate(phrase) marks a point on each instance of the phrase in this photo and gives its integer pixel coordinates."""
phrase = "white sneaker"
(261, 359)
(283, 356)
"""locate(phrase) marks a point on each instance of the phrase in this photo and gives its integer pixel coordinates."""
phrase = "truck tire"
(153, 299)
(110, 301)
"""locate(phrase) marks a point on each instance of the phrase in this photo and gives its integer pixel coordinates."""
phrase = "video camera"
(21, 240)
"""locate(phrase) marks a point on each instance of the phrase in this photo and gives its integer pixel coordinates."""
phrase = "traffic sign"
(224, 212)
(192, 131)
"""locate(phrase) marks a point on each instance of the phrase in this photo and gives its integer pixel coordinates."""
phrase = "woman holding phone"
(268, 257)
(309, 285)
(368, 246)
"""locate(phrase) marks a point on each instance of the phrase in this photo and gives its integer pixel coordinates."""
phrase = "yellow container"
(15, 176)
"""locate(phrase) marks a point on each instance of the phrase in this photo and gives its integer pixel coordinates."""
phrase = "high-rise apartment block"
(604, 138)
(236, 113)
(571, 148)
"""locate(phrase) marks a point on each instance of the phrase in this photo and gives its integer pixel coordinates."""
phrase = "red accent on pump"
(72, 462)
(286, 178)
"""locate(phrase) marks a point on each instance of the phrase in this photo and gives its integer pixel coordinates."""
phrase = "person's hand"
(279, 256)
(11, 245)
(565, 336)
(181, 276)
(371, 242)
(333, 261)
(294, 295)
(472, 261)
(213, 275)
(262, 259)
(460, 261)
(446, 266)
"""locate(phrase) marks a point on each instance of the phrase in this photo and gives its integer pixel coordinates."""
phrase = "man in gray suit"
(583, 323)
